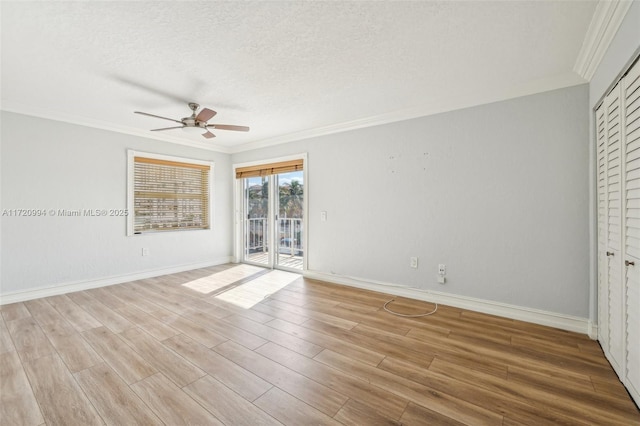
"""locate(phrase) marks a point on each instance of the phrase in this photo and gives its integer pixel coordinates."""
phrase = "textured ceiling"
(286, 69)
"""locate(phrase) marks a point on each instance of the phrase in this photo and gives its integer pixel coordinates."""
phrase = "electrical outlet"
(442, 269)
(413, 262)
(323, 216)
(441, 279)
(145, 251)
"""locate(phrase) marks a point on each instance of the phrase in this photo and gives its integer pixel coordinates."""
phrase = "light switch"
(323, 216)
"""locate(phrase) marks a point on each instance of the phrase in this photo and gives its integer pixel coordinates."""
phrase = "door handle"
(609, 253)
(629, 263)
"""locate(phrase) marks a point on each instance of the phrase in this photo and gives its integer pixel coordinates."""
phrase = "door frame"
(238, 199)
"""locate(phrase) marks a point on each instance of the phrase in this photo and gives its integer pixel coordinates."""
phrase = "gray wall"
(622, 49)
(48, 164)
(499, 193)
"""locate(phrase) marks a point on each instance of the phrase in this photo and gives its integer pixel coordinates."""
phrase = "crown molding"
(604, 25)
(103, 125)
(487, 96)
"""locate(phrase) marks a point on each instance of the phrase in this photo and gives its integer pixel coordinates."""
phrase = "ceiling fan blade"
(229, 127)
(157, 116)
(167, 128)
(205, 114)
(208, 135)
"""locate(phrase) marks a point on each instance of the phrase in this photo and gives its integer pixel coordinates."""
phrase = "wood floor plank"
(28, 338)
(172, 303)
(80, 319)
(516, 356)
(445, 404)
(320, 316)
(563, 386)
(14, 311)
(611, 386)
(116, 403)
(266, 308)
(74, 350)
(253, 315)
(222, 309)
(59, 396)
(314, 394)
(194, 330)
(50, 320)
(301, 299)
(164, 360)
(236, 378)
(376, 398)
(18, 405)
(107, 316)
(365, 355)
(417, 415)
(354, 413)
(124, 360)
(227, 330)
(291, 411)
(520, 328)
(501, 398)
(384, 347)
(343, 294)
(147, 322)
(557, 407)
(105, 296)
(171, 404)
(6, 344)
(127, 293)
(363, 318)
(227, 406)
(271, 334)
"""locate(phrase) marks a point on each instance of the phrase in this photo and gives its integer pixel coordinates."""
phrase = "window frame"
(131, 154)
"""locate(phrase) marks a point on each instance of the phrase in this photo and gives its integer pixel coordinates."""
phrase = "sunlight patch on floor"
(255, 291)
(221, 279)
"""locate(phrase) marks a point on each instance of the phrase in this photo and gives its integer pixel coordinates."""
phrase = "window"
(168, 193)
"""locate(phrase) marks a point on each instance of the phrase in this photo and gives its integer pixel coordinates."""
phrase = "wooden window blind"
(170, 195)
(269, 169)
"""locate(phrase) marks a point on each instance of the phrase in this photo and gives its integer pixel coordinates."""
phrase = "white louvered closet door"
(631, 211)
(614, 230)
(603, 260)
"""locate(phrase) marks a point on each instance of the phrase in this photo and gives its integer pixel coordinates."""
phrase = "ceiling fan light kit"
(197, 123)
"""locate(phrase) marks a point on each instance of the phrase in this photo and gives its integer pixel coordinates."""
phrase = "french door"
(273, 231)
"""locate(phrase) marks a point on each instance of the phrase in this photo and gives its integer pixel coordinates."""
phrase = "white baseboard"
(536, 316)
(21, 296)
(593, 330)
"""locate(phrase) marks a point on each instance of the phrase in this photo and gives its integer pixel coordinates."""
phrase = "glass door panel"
(289, 223)
(256, 226)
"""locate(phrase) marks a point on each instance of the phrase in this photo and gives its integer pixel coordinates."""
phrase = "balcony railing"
(290, 234)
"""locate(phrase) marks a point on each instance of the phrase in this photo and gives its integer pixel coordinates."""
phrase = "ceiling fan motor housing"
(192, 122)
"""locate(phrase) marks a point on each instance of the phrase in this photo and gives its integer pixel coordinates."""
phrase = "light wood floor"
(172, 351)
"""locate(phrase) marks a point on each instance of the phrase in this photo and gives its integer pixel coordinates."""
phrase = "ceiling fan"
(197, 123)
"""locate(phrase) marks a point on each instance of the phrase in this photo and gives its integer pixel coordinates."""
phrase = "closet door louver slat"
(603, 288)
(614, 228)
(632, 228)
